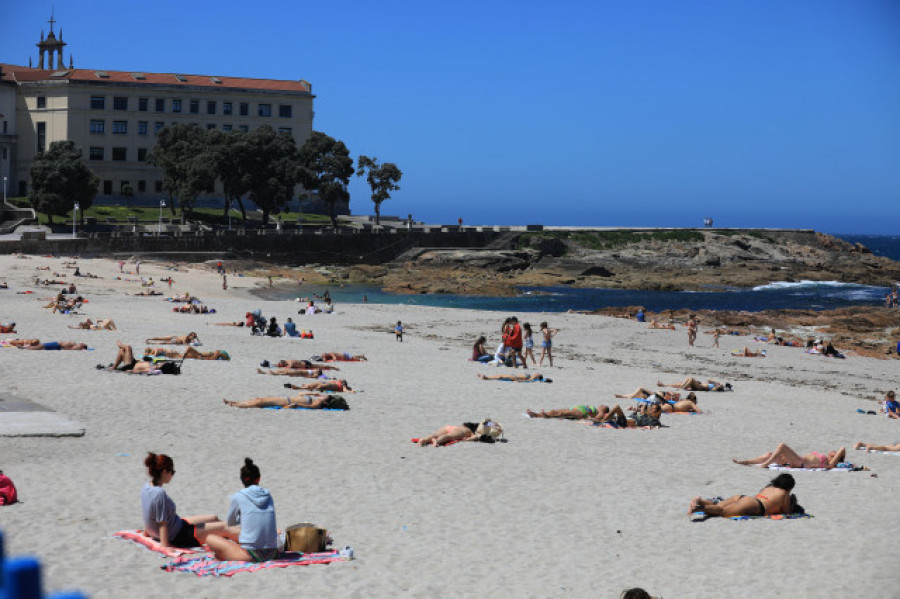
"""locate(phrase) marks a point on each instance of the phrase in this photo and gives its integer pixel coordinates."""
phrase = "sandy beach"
(561, 509)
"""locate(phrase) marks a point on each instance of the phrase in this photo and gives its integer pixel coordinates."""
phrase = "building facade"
(114, 116)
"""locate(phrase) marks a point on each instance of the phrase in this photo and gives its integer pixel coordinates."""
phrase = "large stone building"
(114, 116)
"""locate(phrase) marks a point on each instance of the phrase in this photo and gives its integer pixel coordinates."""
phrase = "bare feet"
(859, 445)
(659, 384)
(532, 414)
(229, 403)
(695, 505)
(481, 376)
(260, 371)
(741, 462)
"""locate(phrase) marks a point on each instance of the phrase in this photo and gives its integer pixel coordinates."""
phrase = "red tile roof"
(21, 74)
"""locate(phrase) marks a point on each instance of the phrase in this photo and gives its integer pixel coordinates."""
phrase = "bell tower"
(51, 46)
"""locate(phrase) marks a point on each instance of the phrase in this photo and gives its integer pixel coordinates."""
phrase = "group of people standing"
(517, 345)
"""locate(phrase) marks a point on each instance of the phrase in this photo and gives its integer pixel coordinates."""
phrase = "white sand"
(561, 510)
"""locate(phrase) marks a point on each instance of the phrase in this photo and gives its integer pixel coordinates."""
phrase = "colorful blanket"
(151, 544)
(879, 451)
(701, 517)
(842, 467)
(209, 566)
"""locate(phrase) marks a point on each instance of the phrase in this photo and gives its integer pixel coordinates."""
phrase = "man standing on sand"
(514, 340)
(692, 330)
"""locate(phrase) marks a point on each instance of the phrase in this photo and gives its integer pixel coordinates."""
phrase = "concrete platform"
(23, 418)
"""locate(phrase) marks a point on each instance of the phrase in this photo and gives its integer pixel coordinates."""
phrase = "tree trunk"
(243, 211)
(377, 214)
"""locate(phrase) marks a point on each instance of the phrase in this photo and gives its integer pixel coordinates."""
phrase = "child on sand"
(529, 343)
(398, 331)
(547, 343)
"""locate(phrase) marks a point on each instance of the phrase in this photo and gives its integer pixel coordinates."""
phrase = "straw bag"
(489, 431)
(306, 538)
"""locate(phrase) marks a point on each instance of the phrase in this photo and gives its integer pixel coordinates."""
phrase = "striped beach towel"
(206, 565)
(151, 544)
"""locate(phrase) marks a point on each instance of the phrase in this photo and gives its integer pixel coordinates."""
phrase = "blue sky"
(757, 113)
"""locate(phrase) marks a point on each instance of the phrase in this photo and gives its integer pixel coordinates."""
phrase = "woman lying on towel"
(174, 339)
(252, 511)
(105, 324)
(310, 401)
(746, 353)
(785, 456)
(310, 374)
(580, 412)
(692, 384)
(162, 522)
(774, 499)
(450, 433)
(57, 345)
(515, 378)
(644, 416)
(338, 357)
(644, 393)
(658, 325)
(189, 353)
(872, 447)
(307, 364)
(335, 385)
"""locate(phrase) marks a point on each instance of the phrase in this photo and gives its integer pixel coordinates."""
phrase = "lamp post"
(4, 190)
(74, 219)
(162, 204)
(229, 215)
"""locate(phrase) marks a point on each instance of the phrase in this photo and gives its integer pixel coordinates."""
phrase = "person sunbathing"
(22, 342)
(872, 447)
(125, 358)
(688, 404)
(450, 433)
(785, 456)
(692, 384)
(334, 385)
(310, 374)
(56, 345)
(645, 416)
(579, 412)
(149, 292)
(775, 498)
(239, 323)
(644, 393)
(105, 324)
(338, 357)
(746, 353)
(307, 364)
(9, 327)
(309, 401)
(658, 325)
(174, 339)
(189, 353)
(515, 378)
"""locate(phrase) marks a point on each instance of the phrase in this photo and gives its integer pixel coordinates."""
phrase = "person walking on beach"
(547, 343)
(224, 282)
(137, 267)
(529, 343)
(398, 331)
(692, 330)
(716, 334)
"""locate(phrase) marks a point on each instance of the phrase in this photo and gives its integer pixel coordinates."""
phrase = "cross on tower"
(51, 21)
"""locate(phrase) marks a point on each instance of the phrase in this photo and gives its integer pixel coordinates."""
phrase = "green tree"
(233, 152)
(188, 162)
(382, 179)
(128, 193)
(274, 169)
(326, 167)
(59, 178)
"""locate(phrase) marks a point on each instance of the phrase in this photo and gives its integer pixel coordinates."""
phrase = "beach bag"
(336, 402)
(8, 493)
(489, 431)
(170, 368)
(306, 538)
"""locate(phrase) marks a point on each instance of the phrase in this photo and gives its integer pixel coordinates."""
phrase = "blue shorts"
(51, 345)
(546, 344)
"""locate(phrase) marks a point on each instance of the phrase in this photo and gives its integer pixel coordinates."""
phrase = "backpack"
(170, 368)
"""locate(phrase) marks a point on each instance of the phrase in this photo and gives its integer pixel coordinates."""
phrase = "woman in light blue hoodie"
(253, 510)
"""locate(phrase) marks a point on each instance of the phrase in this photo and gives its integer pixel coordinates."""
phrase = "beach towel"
(151, 544)
(842, 467)
(444, 445)
(209, 566)
(702, 517)
(879, 451)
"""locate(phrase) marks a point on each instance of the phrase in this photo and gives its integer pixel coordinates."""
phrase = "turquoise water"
(798, 295)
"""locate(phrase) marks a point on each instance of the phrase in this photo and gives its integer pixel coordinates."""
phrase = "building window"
(226, 107)
(157, 186)
(5, 127)
(42, 101)
(243, 128)
(285, 130)
(226, 127)
(4, 153)
(244, 108)
(176, 105)
(210, 125)
(142, 186)
(107, 188)
(160, 104)
(195, 106)
(98, 102)
(142, 154)
(41, 137)
(265, 110)
(157, 126)
(143, 104)
(120, 103)
(142, 127)
(211, 107)
(98, 126)
(95, 154)
(120, 127)
(285, 111)
(120, 154)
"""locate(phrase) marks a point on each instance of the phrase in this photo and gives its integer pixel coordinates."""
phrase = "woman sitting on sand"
(162, 522)
(310, 401)
(174, 339)
(310, 374)
(785, 456)
(253, 510)
(338, 357)
(450, 433)
(515, 378)
(335, 385)
(872, 447)
(125, 358)
(776, 498)
(479, 354)
(190, 353)
(693, 384)
(105, 324)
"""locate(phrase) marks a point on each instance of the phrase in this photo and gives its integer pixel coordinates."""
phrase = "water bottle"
(347, 552)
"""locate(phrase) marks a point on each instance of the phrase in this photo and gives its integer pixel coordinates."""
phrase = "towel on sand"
(151, 544)
(842, 467)
(206, 565)
(702, 517)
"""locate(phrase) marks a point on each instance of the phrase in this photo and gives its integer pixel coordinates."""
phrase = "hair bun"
(248, 462)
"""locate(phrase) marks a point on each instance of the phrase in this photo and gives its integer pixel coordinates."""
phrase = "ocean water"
(776, 295)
